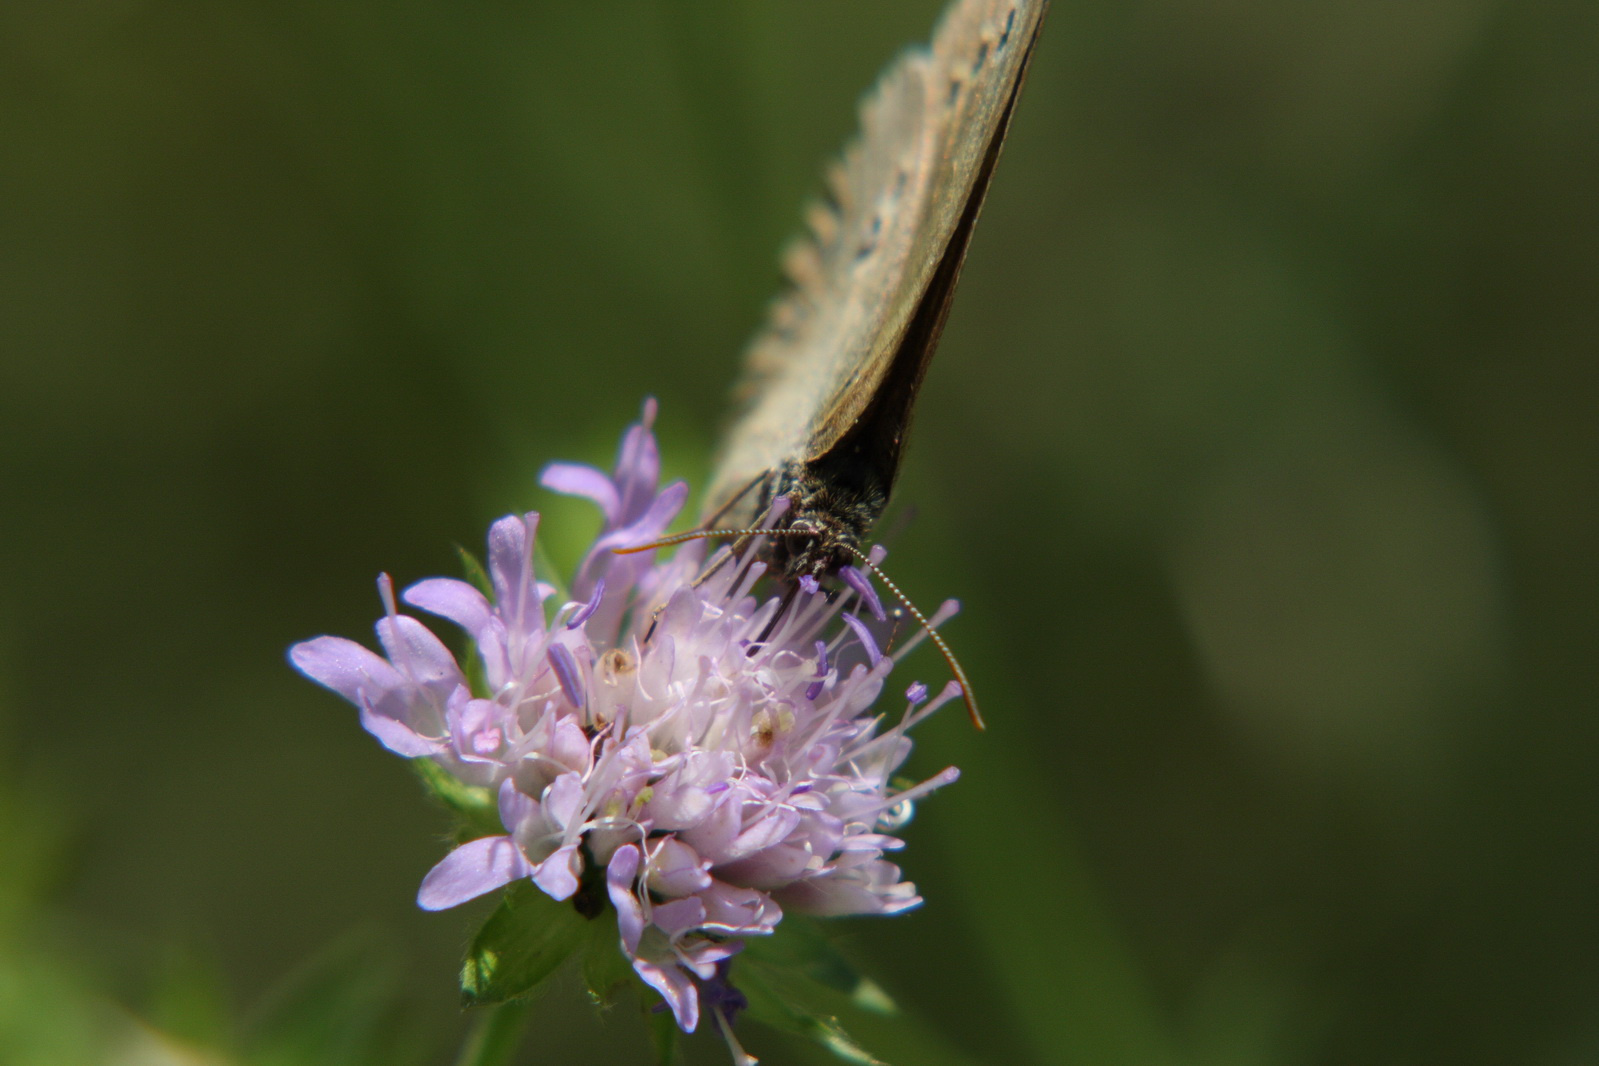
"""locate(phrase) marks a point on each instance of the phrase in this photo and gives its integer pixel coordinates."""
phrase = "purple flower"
(645, 732)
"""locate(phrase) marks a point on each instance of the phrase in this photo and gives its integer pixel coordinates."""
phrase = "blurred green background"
(1262, 450)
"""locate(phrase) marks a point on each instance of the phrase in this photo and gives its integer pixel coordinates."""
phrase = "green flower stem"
(495, 1034)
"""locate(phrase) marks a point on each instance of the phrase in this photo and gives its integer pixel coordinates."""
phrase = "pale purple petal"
(558, 875)
(582, 614)
(623, 572)
(574, 479)
(676, 917)
(681, 614)
(469, 871)
(452, 599)
(420, 656)
(865, 636)
(477, 727)
(700, 956)
(345, 667)
(676, 988)
(731, 910)
(518, 597)
(874, 888)
(821, 834)
(515, 806)
(814, 689)
(638, 463)
(683, 799)
(565, 667)
(569, 745)
(659, 514)
(676, 869)
(619, 875)
(763, 833)
(713, 836)
(397, 736)
(858, 581)
(602, 561)
(770, 868)
(563, 800)
(680, 806)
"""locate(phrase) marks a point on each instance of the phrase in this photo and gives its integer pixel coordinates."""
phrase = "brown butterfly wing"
(843, 353)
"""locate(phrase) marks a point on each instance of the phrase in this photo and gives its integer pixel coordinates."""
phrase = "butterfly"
(832, 378)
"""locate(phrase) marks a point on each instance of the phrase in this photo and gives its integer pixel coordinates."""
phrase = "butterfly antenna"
(933, 634)
(698, 534)
(774, 511)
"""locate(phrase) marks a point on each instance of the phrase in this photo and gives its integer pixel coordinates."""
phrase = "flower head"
(703, 755)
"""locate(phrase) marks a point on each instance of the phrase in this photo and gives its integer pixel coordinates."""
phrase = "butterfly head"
(825, 519)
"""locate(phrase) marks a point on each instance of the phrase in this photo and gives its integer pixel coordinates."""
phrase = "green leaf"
(870, 996)
(496, 1035)
(526, 938)
(339, 1010)
(804, 948)
(476, 807)
(662, 1025)
(548, 572)
(472, 662)
(784, 1002)
(475, 571)
(605, 968)
(188, 998)
(477, 679)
